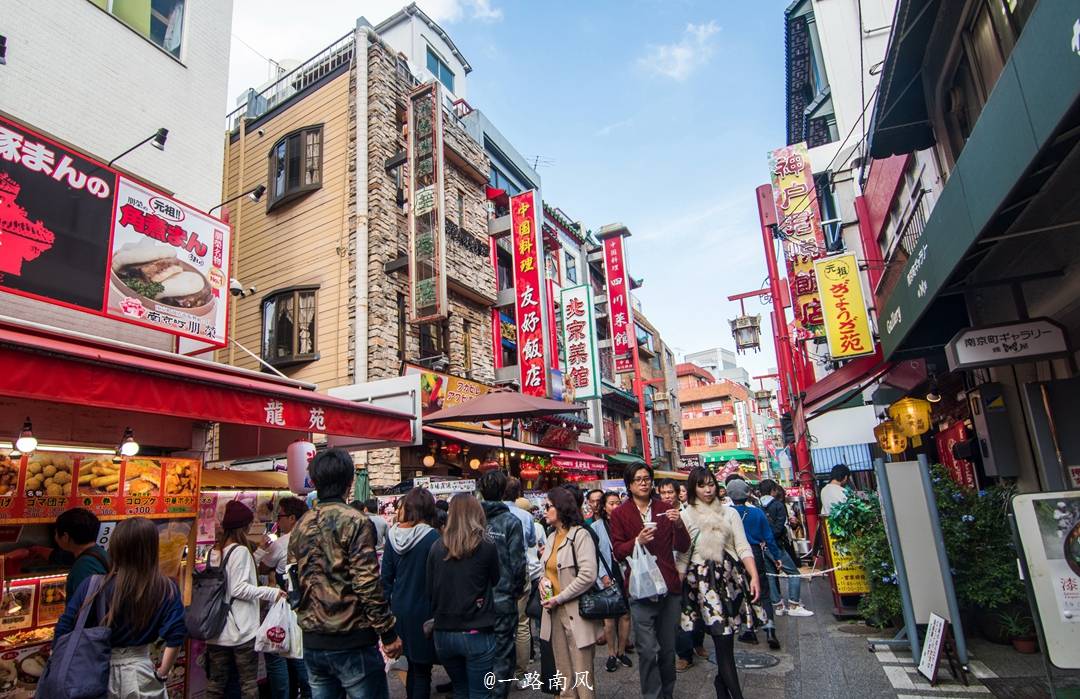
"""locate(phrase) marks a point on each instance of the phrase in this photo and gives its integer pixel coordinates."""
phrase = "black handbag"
(598, 604)
(533, 610)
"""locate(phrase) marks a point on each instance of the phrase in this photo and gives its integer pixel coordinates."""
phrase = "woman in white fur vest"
(716, 589)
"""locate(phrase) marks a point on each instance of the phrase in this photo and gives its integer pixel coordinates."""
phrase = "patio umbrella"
(500, 405)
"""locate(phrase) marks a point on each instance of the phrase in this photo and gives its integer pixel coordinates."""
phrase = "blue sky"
(655, 113)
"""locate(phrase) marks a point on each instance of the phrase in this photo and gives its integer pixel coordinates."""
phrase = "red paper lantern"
(531, 473)
(490, 465)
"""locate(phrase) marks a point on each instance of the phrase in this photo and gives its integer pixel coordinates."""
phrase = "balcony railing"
(916, 221)
(697, 422)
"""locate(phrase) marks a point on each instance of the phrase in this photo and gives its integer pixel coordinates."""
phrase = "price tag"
(105, 533)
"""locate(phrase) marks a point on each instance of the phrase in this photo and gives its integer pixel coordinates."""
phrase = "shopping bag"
(646, 580)
(296, 638)
(275, 634)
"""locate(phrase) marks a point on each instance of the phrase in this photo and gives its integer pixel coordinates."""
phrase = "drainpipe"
(360, 330)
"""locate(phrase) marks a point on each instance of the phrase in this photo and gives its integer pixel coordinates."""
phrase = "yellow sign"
(850, 576)
(847, 324)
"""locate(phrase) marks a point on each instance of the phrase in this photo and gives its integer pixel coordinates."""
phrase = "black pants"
(505, 653)
(765, 598)
(727, 675)
(687, 641)
(418, 680)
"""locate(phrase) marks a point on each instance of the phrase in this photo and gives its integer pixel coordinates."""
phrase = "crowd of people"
(501, 599)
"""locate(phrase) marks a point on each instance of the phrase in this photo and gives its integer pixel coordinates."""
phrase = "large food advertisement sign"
(800, 228)
(579, 342)
(36, 488)
(620, 312)
(427, 239)
(527, 254)
(76, 233)
(847, 322)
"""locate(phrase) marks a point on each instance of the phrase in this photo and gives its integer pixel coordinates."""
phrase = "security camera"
(237, 289)
(260, 132)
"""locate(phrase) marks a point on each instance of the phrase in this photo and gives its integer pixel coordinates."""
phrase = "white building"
(101, 76)
(721, 363)
(429, 50)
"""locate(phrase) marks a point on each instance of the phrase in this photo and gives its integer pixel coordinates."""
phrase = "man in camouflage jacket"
(342, 610)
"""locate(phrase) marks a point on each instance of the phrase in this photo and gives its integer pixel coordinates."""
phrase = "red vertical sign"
(620, 313)
(961, 471)
(528, 256)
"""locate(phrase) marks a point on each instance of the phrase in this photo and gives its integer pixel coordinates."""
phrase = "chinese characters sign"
(1024, 341)
(167, 267)
(579, 341)
(427, 240)
(528, 256)
(847, 324)
(620, 312)
(800, 227)
(742, 425)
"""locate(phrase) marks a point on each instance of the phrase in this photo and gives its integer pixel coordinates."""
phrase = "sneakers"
(798, 610)
(779, 609)
(682, 665)
(612, 664)
(624, 660)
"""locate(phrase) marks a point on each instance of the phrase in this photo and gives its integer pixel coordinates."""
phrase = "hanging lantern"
(530, 474)
(747, 332)
(474, 464)
(890, 438)
(764, 399)
(911, 415)
(452, 449)
(490, 465)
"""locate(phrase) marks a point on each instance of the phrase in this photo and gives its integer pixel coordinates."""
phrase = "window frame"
(443, 66)
(292, 292)
(570, 269)
(402, 325)
(439, 339)
(106, 6)
(466, 348)
(275, 200)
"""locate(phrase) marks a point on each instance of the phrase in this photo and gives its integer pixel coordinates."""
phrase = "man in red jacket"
(655, 619)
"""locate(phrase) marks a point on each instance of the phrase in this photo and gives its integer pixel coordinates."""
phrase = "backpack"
(78, 667)
(205, 617)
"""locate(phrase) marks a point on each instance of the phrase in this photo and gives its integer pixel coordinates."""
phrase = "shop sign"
(572, 464)
(847, 323)
(800, 225)
(620, 312)
(961, 471)
(849, 575)
(742, 424)
(1006, 343)
(579, 341)
(427, 239)
(75, 233)
(528, 288)
(689, 462)
(444, 487)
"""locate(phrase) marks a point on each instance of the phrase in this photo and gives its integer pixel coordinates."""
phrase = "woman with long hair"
(570, 566)
(404, 581)
(462, 571)
(717, 590)
(236, 644)
(617, 631)
(142, 606)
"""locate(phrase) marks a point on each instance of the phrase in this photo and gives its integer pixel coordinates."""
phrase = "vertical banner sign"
(800, 226)
(847, 324)
(742, 424)
(528, 256)
(620, 313)
(961, 471)
(427, 240)
(579, 339)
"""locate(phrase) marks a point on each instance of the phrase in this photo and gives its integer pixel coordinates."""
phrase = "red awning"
(578, 461)
(855, 373)
(52, 365)
(480, 439)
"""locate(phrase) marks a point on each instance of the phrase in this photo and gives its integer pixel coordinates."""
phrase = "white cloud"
(606, 129)
(678, 60)
(483, 11)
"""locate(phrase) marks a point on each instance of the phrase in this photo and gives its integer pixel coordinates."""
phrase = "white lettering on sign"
(895, 318)
(316, 419)
(916, 265)
(921, 290)
(275, 413)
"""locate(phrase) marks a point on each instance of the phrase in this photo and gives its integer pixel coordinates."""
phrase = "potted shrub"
(1021, 631)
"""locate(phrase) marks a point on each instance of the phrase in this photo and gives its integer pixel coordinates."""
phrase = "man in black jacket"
(506, 533)
(772, 502)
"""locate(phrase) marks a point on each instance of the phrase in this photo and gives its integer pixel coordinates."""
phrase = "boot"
(748, 636)
(770, 636)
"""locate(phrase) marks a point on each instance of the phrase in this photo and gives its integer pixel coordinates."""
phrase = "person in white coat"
(236, 644)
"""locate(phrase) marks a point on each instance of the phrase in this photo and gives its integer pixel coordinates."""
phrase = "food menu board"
(17, 609)
(20, 670)
(36, 488)
(51, 599)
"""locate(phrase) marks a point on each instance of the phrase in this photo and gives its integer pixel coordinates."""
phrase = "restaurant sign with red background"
(961, 471)
(76, 233)
(620, 312)
(528, 256)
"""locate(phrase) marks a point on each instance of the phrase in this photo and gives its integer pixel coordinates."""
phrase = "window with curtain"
(289, 326)
(295, 166)
(159, 21)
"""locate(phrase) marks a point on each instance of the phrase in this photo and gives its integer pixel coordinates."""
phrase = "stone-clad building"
(326, 246)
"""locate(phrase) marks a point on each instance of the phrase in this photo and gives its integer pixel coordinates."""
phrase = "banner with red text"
(620, 312)
(528, 255)
(847, 322)
(579, 341)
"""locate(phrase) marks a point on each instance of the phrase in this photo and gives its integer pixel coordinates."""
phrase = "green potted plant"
(1021, 631)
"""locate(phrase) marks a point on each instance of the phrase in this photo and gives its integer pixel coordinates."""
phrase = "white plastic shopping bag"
(296, 648)
(646, 580)
(275, 634)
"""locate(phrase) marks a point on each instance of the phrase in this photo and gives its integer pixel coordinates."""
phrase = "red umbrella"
(498, 405)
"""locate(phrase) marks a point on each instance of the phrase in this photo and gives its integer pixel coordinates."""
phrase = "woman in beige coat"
(570, 567)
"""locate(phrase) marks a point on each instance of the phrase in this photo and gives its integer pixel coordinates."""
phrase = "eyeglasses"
(548, 506)
(642, 481)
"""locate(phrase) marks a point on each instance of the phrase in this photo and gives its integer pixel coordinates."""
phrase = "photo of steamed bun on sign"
(169, 265)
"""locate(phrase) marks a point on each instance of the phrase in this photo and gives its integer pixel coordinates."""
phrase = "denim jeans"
(687, 641)
(468, 657)
(352, 673)
(283, 673)
(794, 587)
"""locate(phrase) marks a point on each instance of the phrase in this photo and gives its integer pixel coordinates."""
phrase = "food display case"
(35, 489)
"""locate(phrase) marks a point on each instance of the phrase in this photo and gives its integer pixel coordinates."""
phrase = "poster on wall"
(579, 342)
(427, 237)
(527, 248)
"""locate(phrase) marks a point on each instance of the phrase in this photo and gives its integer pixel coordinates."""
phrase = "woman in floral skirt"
(718, 589)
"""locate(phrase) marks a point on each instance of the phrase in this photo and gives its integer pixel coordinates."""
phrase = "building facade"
(718, 420)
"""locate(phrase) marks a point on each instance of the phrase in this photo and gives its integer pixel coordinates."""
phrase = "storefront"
(124, 431)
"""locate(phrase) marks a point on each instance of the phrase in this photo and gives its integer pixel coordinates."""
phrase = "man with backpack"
(342, 610)
(772, 502)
